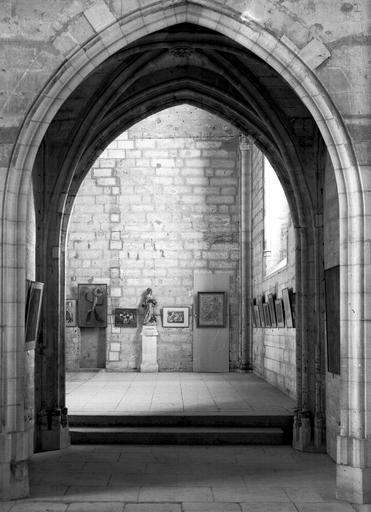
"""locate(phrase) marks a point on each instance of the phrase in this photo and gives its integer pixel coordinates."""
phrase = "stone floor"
(180, 479)
(133, 478)
(172, 393)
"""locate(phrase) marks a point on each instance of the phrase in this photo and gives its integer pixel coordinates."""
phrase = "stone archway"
(116, 35)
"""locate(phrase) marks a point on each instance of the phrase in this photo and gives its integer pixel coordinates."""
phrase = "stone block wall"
(159, 204)
(274, 349)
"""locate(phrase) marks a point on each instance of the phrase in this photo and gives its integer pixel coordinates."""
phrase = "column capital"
(246, 142)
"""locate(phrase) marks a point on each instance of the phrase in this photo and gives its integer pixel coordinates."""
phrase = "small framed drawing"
(211, 308)
(257, 316)
(70, 312)
(272, 310)
(92, 305)
(33, 310)
(267, 316)
(175, 316)
(125, 317)
(287, 307)
(279, 313)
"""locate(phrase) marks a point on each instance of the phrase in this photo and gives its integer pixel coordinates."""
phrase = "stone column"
(149, 349)
(246, 145)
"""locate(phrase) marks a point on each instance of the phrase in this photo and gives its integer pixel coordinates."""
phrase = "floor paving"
(173, 393)
(139, 478)
(135, 478)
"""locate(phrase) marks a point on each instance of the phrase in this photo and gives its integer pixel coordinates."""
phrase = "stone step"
(181, 420)
(178, 435)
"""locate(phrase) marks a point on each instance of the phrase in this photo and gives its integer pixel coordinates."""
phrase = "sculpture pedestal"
(149, 349)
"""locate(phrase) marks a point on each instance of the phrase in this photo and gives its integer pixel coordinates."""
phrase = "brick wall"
(160, 203)
(274, 348)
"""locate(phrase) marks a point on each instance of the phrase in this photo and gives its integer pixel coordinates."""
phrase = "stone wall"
(274, 349)
(159, 204)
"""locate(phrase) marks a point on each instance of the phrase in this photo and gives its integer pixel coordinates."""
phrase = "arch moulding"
(220, 18)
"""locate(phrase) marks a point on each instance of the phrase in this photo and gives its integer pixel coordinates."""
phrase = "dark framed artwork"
(267, 316)
(175, 316)
(252, 313)
(272, 310)
(259, 301)
(332, 294)
(257, 316)
(33, 310)
(279, 313)
(211, 308)
(126, 317)
(71, 312)
(287, 307)
(92, 305)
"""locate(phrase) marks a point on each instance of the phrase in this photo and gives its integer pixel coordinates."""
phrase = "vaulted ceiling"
(183, 64)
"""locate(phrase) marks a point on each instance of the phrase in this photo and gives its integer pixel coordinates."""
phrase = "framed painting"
(287, 307)
(261, 311)
(279, 313)
(126, 317)
(33, 310)
(272, 310)
(257, 316)
(267, 316)
(175, 316)
(252, 313)
(211, 307)
(92, 305)
(71, 312)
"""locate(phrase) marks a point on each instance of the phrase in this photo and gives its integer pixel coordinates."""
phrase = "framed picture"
(33, 310)
(175, 316)
(92, 305)
(279, 313)
(70, 312)
(261, 311)
(252, 313)
(211, 307)
(257, 316)
(272, 310)
(125, 317)
(287, 307)
(267, 316)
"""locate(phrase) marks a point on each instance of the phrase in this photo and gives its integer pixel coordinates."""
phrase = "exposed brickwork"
(155, 208)
(274, 348)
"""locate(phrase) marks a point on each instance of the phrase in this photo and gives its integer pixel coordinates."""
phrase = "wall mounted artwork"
(33, 310)
(211, 308)
(279, 313)
(175, 317)
(92, 305)
(257, 316)
(272, 310)
(267, 316)
(71, 312)
(125, 317)
(287, 306)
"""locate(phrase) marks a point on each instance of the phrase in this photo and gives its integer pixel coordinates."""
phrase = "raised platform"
(177, 408)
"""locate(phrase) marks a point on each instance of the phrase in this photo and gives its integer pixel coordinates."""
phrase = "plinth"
(149, 349)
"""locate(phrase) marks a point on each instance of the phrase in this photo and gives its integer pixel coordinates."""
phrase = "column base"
(53, 432)
(54, 439)
(14, 481)
(308, 435)
(354, 485)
